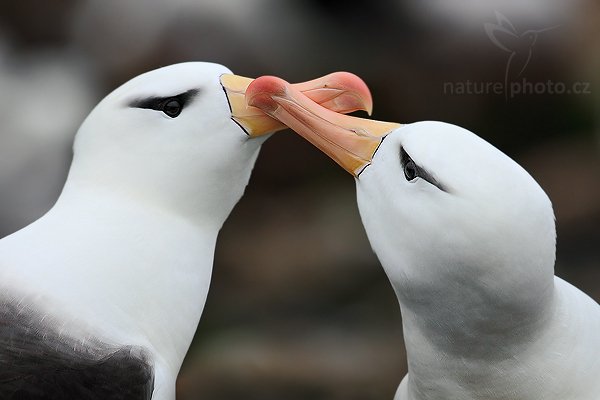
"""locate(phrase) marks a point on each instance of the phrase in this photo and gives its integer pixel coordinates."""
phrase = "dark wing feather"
(38, 363)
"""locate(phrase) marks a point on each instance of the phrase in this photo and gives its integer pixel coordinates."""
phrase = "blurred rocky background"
(299, 307)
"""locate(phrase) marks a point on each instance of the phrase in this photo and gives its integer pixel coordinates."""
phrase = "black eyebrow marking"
(156, 103)
(421, 172)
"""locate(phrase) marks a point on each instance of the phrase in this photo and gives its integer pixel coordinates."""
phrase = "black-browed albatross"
(467, 239)
(100, 298)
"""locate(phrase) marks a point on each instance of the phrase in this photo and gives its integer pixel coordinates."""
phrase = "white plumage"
(125, 255)
(467, 239)
(102, 295)
(472, 265)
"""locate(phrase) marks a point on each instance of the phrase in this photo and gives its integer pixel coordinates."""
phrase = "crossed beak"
(340, 92)
(349, 141)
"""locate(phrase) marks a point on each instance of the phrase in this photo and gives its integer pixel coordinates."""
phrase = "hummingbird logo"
(520, 45)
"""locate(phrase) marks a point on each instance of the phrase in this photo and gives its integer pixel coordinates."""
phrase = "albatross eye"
(410, 170)
(172, 107)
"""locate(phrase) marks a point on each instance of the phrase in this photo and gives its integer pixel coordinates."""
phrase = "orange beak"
(341, 92)
(349, 141)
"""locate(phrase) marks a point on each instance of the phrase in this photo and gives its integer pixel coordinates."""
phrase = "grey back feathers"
(38, 362)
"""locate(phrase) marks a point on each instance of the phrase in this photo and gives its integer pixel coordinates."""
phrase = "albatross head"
(442, 205)
(449, 216)
(182, 138)
(166, 138)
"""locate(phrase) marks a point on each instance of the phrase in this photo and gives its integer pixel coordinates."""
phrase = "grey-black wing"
(39, 363)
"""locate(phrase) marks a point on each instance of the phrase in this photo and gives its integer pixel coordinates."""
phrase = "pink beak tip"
(261, 91)
(357, 86)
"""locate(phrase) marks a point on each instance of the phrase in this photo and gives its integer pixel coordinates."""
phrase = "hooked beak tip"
(262, 90)
(349, 141)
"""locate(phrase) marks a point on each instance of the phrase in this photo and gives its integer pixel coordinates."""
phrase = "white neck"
(457, 345)
(471, 343)
(201, 196)
(466, 312)
(133, 270)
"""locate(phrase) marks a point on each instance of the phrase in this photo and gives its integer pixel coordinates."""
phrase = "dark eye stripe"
(157, 103)
(421, 172)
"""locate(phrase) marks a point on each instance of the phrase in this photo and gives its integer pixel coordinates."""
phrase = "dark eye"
(172, 107)
(413, 171)
(410, 170)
